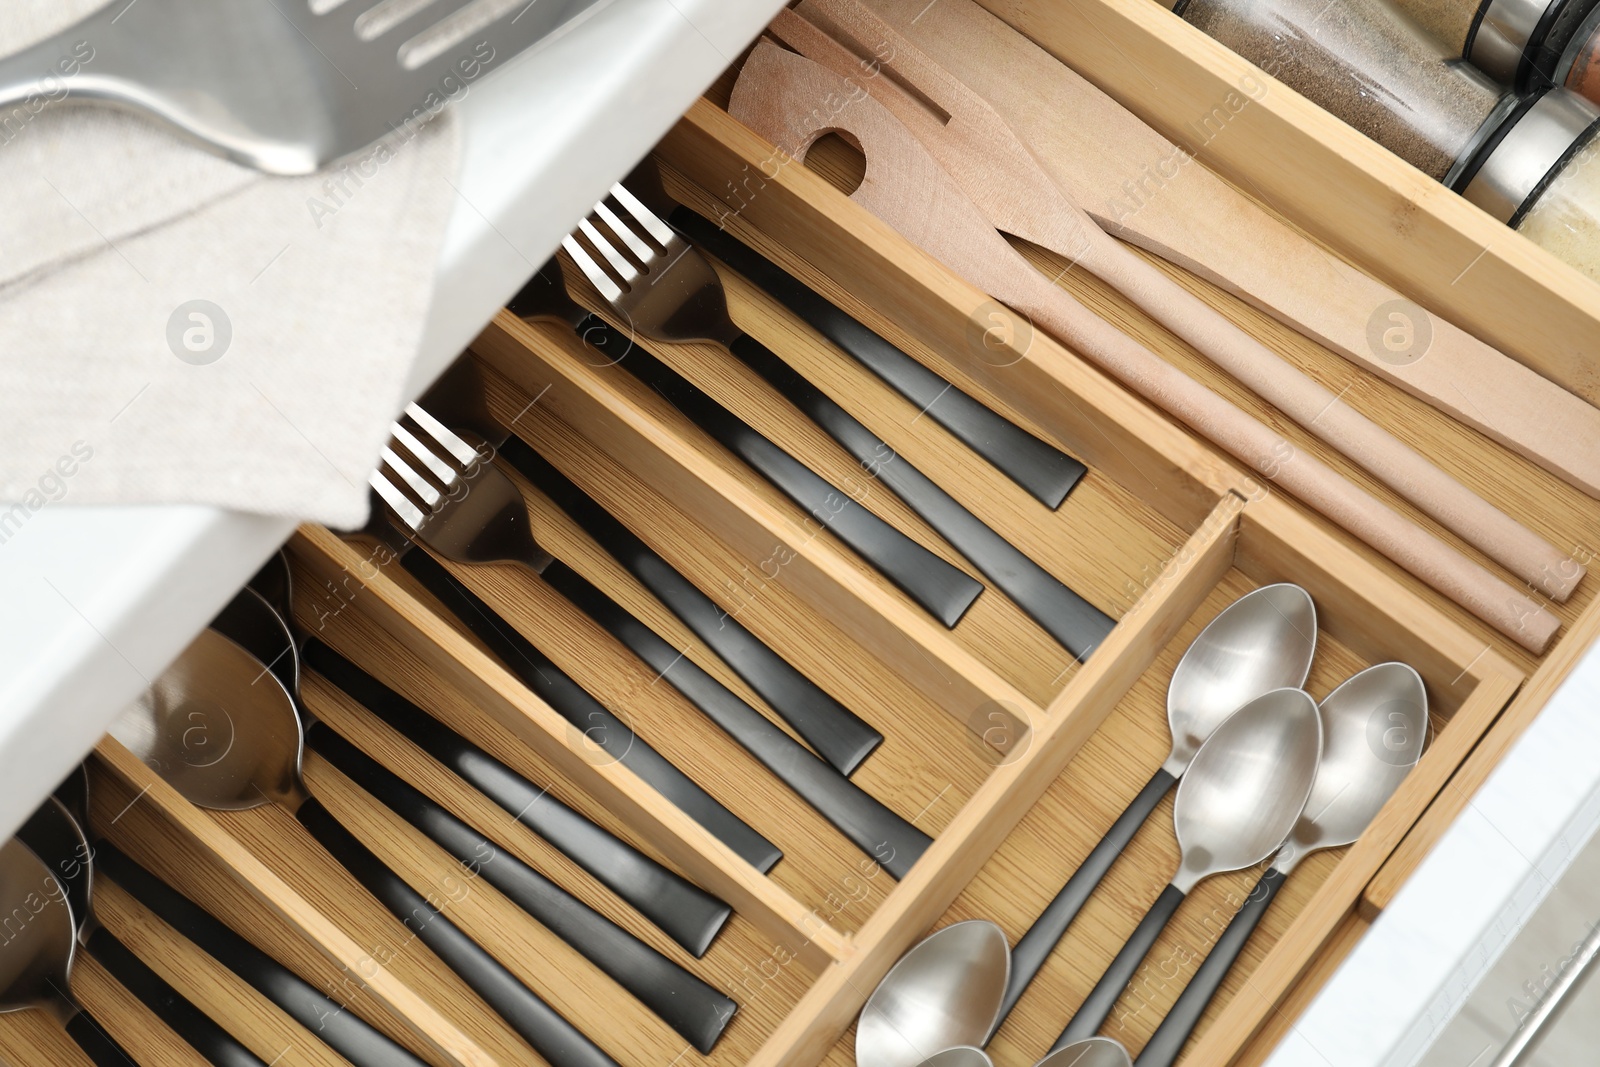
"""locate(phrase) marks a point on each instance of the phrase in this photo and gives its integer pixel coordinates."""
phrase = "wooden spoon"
(780, 95)
(978, 149)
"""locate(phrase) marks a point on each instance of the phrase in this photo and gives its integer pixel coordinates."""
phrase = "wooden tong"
(780, 95)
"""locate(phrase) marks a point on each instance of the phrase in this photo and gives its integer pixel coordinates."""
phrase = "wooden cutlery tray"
(1012, 756)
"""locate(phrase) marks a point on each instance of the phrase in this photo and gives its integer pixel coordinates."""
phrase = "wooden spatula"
(1145, 190)
(781, 95)
(976, 147)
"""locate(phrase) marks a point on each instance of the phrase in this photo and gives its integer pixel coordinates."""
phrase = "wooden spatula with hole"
(781, 95)
(1150, 192)
(976, 147)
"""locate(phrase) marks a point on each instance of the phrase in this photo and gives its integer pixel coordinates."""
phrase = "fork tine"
(419, 485)
(464, 453)
(398, 502)
(619, 263)
(634, 242)
(596, 274)
(444, 472)
(645, 217)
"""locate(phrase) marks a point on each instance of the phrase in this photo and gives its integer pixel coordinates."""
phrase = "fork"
(283, 87)
(869, 824)
(481, 518)
(838, 734)
(676, 295)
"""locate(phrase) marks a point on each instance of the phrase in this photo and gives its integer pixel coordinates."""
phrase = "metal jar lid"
(1511, 41)
(1526, 155)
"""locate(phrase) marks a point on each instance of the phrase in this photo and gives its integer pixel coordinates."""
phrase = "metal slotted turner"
(284, 86)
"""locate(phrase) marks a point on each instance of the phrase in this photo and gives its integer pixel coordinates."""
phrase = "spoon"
(1091, 1052)
(696, 1010)
(1248, 784)
(1261, 642)
(1374, 726)
(57, 840)
(36, 961)
(961, 969)
(223, 730)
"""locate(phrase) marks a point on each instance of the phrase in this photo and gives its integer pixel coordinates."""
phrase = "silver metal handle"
(1525, 1040)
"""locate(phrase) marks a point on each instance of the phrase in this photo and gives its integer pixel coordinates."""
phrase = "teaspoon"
(1246, 788)
(1374, 726)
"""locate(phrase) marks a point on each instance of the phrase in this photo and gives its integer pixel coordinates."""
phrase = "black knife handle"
(1102, 999)
(171, 1007)
(698, 1012)
(101, 1048)
(837, 733)
(1075, 623)
(339, 1028)
(558, 1041)
(944, 590)
(1045, 471)
(585, 713)
(682, 910)
(1168, 1040)
(870, 825)
(1051, 926)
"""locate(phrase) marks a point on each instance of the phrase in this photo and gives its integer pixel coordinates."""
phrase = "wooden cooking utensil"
(1148, 191)
(781, 95)
(974, 146)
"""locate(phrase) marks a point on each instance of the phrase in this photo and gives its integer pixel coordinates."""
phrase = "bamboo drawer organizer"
(996, 743)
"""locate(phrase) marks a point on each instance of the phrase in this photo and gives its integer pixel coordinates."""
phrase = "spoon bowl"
(1374, 727)
(1247, 786)
(959, 1056)
(36, 964)
(1260, 642)
(218, 727)
(944, 994)
(1090, 1052)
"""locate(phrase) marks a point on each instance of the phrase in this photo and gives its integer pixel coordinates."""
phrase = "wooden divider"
(504, 699)
(547, 361)
(146, 817)
(833, 1001)
(796, 218)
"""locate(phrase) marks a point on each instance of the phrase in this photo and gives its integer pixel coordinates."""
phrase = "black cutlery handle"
(171, 1007)
(694, 1009)
(1045, 471)
(1102, 999)
(944, 590)
(1051, 926)
(1075, 623)
(837, 733)
(339, 1028)
(99, 1046)
(585, 713)
(869, 824)
(682, 910)
(558, 1041)
(1168, 1040)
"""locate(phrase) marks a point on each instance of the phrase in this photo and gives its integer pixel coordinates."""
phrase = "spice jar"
(1540, 174)
(1372, 66)
(1579, 67)
(1516, 42)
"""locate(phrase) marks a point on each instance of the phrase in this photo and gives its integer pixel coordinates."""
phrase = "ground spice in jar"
(1450, 21)
(1565, 218)
(1368, 64)
(1580, 66)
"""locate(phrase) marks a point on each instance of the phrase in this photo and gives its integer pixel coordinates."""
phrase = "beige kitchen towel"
(175, 328)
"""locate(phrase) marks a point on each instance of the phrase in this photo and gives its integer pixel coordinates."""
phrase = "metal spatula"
(283, 86)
